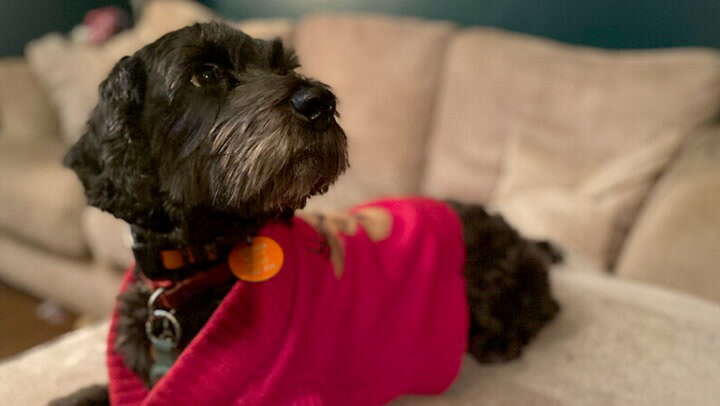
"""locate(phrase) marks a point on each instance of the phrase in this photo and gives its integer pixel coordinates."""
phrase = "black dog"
(202, 137)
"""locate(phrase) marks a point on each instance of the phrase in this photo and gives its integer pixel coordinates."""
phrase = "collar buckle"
(164, 332)
(161, 324)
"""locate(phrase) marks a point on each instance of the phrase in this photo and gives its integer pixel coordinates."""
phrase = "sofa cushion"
(78, 357)
(614, 343)
(41, 201)
(565, 140)
(676, 242)
(109, 239)
(25, 109)
(385, 73)
(76, 284)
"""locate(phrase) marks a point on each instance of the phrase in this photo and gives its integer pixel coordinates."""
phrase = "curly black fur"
(95, 395)
(198, 137)
(507, 284)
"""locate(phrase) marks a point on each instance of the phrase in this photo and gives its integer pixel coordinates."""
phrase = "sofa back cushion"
(25, 110)
(676, 240)
(41, 203)
(566, 141)
(385, 72)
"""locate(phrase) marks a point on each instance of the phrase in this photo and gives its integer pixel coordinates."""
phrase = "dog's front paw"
(496, 350)
(95, 395)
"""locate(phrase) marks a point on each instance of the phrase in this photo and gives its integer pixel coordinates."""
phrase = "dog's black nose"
(313, 102)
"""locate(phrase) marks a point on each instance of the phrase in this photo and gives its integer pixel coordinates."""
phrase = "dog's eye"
(205, 75)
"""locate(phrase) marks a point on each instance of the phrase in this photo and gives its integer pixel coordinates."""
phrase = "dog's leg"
(95, 395)
(507, 285)
(553, 252)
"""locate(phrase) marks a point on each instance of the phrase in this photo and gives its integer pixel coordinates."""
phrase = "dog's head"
(207, 117)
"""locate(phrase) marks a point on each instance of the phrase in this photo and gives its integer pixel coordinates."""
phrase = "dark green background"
(604, 23)
(23, 20)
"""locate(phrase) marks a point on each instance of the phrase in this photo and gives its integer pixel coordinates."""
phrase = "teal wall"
(24, 20)
(603, 23)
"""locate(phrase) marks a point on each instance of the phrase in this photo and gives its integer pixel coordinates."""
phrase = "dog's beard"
(276, 167)
(264, 156)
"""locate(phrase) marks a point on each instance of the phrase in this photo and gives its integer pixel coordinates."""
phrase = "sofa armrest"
(676, 240)
(25, 108)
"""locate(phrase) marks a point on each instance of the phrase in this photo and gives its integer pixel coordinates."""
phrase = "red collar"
(178, 292)
(183, 272)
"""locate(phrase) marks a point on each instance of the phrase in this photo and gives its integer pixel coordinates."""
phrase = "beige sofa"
(614, 155)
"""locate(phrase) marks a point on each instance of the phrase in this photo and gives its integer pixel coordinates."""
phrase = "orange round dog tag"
(258, 261)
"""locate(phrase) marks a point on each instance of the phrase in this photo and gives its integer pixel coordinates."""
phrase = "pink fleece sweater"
(390, 319)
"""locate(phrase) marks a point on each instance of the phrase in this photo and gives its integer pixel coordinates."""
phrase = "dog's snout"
(313, 102)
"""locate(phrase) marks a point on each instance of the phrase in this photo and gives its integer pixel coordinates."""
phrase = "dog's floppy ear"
(113, 159)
